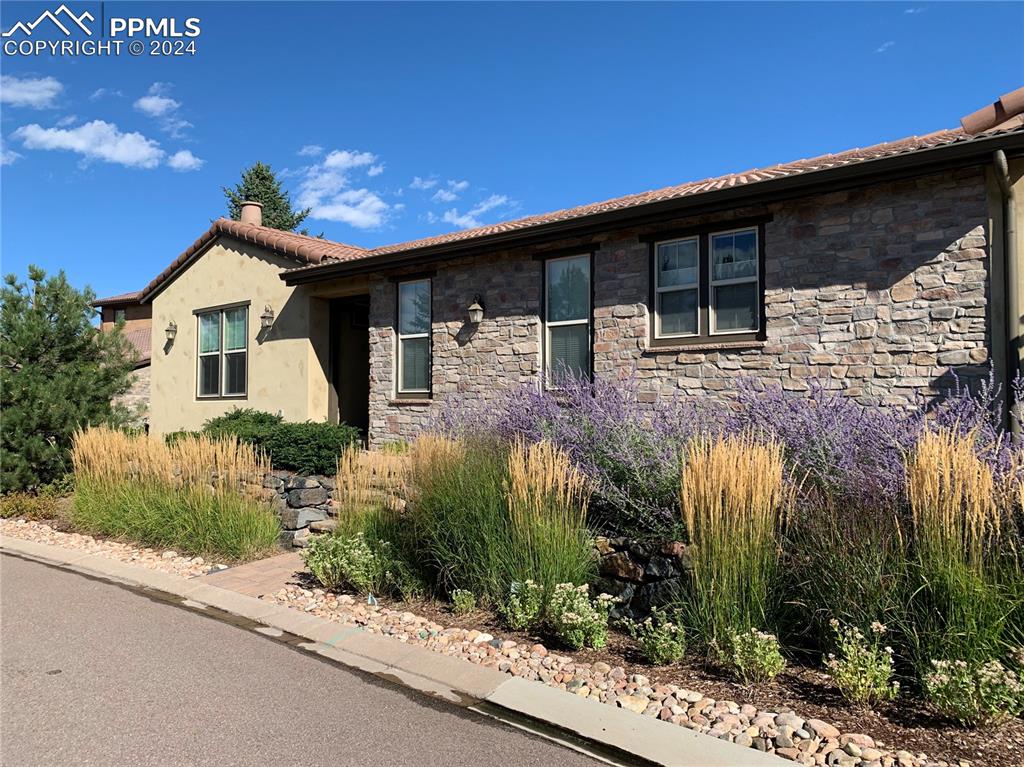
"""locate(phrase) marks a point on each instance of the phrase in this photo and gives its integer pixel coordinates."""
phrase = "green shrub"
(340, 561)
(173, 437)
(754, 656)
(661, 640)
(310, 447)
(245, 423)
(863, 669)
(523, 608)
(28, 506)
(576, 619)
(463, 602)
(352, 561)
(61, 487)
(974, 695)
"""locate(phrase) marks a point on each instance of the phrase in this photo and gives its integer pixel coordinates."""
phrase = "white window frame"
(548, 324)
(659, 290)
(402, 337)
(221, 353)
(713, 283)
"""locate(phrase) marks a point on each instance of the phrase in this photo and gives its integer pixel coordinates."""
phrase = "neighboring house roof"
(300, 248)
(750, 178)
(123, 298)
(141, 339)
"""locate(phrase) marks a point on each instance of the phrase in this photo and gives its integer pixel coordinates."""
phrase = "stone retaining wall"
(300, 502)
(641, 574)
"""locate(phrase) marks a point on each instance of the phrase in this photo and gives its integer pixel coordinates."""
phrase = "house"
(137, 328)
(879, 272)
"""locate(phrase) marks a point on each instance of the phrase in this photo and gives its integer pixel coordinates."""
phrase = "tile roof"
(122, 298)
(141, 339)
(298, 247)
(746, 178)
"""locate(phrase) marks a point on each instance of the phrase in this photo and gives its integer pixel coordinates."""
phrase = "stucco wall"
(879, 291)
(285, 374)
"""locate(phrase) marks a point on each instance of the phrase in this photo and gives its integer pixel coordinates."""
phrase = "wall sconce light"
(171, 330)
(476, 310)
(267, 318)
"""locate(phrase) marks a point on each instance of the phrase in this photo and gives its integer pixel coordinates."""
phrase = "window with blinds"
(223, 352)
(414, 317)
(567, 317)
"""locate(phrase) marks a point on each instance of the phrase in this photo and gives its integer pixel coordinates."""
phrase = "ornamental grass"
(367, 481)
(733, 497)
(200, 495)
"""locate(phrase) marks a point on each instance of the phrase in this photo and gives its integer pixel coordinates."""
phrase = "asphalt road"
(93, 674)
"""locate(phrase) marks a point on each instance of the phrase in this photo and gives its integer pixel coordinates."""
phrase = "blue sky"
(396, 121)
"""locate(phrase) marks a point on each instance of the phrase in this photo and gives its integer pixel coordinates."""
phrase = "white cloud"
(360, 208)
(96, 140)
(7, 156)
(422, 183)
(327, 189)
(885, 46)
(471, 218)
(158, 105)
(311, 150)
(375, 170)
(34, 92)
(914, 11)
(443, 195)
(458, 186)
(101, 92)
(343, 159)
(66, 121)
(183, 160)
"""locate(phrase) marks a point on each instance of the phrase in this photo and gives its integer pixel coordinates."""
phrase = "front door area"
(350, 361)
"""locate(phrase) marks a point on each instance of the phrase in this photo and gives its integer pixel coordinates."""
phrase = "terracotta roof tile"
(141, 339)
(123, 298)
(297, 247)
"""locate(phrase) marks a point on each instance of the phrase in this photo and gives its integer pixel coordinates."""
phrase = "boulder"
(620, 565)
(296, 482)
(296, 519)
(312, 496)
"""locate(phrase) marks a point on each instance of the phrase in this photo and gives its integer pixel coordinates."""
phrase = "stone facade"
(136, 399)
(299, 503)
(879, 291)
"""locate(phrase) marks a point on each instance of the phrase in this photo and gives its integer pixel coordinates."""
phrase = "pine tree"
(259, 184)
(58, 373)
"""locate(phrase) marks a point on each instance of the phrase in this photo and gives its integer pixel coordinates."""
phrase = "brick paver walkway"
(264, 576)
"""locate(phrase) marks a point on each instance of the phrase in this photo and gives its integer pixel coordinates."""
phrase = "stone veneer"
(879, 291)
(136, 399)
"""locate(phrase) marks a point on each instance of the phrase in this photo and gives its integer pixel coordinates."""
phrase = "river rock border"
(806, 741)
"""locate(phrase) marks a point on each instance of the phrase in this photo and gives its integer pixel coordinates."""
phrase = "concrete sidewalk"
(533, 705)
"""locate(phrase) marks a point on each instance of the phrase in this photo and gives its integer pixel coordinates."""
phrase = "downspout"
(1013, 308)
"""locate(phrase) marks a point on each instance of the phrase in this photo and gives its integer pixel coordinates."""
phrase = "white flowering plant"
(524, 607)
(463, 602)
(661, 640)
(863, 669)
(974, 695)
(755, 656)
(578, 620)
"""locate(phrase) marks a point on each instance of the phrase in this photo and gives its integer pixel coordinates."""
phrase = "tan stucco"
(286, 365)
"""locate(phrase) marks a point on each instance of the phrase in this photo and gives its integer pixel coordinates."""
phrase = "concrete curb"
(619, 735)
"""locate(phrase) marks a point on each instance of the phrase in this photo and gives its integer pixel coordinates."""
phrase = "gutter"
(910, 164)
(1014, 326)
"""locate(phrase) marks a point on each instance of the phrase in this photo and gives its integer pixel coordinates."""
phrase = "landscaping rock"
(620, 565)
(323, 525)
(296, 519)
(300, 498)
(296, 482)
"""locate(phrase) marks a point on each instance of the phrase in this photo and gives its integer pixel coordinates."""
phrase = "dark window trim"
(414, 277)
(222, 367)
(422, 396)
(543, 259)
(705, 338)
(222, 307)
(579, 250)
(695, 230)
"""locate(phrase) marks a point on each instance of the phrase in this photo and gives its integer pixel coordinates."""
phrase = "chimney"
(252, 213)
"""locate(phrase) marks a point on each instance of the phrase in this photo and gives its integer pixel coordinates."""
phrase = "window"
(567, 316)
(118, 315)
(706, 286)
(414, 338)
(223, 352)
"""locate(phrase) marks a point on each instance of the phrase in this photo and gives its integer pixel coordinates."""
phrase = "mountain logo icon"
(63, 18)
